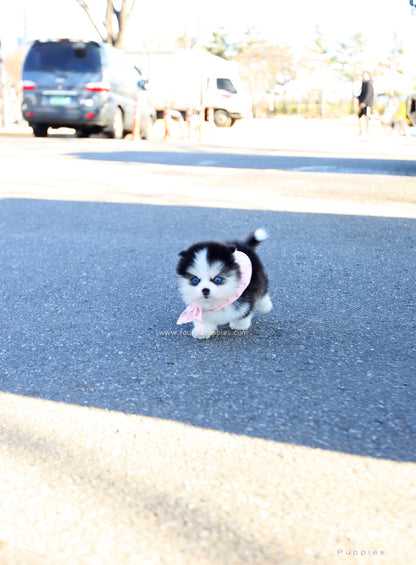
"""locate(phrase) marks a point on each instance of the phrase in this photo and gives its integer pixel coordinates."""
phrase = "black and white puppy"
(222, 283)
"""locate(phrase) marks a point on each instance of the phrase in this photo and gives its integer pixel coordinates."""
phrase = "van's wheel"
(82, 133)
(116, 129)
(40, 130)
(222, 119)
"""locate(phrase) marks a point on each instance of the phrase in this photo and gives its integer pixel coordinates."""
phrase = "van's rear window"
(74, 57)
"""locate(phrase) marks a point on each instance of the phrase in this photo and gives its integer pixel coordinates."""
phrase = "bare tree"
(263, 65)
(113, 28)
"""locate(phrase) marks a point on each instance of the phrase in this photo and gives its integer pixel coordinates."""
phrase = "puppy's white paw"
(241, 324)
(264, 304)
(205, 335)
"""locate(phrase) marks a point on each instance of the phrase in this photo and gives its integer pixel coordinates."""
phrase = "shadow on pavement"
(89, 305)
(351, 165)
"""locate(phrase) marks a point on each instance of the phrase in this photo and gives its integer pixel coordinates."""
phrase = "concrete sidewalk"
(282, 133)
(158, 492)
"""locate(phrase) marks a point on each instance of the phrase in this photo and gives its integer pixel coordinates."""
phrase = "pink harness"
(193, 312)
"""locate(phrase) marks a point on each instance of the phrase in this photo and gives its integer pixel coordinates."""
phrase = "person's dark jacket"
(366, 95)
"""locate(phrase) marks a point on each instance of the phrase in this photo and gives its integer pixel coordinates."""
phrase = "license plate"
(60, 100)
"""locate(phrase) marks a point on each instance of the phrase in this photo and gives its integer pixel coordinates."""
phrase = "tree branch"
(113, 37)
(131, 9)
(86, 10)
(109, 22)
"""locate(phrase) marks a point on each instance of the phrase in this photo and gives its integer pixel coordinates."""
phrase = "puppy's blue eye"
(218, 280)
(195, 281)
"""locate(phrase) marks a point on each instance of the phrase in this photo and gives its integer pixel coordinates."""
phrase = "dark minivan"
(85, 85)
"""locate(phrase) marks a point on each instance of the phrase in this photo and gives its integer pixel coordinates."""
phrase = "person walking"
(365, 100)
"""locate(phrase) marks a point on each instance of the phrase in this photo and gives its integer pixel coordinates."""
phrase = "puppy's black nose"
(205, 291)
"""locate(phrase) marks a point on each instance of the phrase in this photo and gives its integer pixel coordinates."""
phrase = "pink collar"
(193, 312)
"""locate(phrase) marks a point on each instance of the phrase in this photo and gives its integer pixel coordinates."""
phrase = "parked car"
(395, 116)
(401, 121)
(411, 108)
(85, 85)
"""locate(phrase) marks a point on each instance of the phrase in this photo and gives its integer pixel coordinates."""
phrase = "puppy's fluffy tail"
(256, 237)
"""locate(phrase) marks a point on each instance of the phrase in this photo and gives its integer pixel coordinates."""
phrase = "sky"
(287, 22)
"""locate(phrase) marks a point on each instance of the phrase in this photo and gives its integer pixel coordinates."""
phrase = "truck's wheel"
(222, 119)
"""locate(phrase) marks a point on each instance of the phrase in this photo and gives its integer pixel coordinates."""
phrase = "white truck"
(194, 80)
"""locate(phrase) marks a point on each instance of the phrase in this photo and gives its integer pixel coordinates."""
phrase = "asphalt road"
(126, 441)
